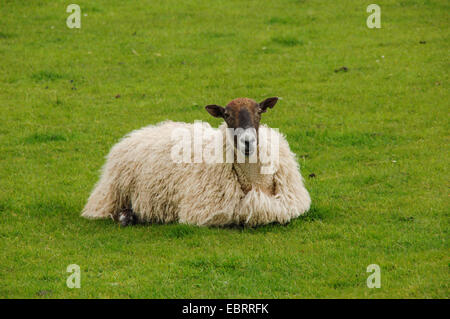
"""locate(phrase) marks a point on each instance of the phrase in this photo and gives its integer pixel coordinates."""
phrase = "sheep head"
(243, 115)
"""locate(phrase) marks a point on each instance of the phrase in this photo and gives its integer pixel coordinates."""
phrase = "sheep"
(141, 181)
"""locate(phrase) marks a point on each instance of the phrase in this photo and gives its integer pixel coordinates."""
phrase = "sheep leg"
(126, 217)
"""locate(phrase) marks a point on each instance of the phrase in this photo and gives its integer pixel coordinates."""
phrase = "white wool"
(140, 173)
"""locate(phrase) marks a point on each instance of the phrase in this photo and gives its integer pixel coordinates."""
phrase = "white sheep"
(141, 181)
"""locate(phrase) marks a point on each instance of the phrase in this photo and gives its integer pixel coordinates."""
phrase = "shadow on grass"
(180, 231)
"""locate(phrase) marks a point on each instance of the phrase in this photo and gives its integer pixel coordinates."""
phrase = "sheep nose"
(247, 140)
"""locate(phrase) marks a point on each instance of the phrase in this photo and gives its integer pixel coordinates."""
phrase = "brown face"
(243, 115)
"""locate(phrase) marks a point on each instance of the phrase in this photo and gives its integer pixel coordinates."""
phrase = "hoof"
(126, 217)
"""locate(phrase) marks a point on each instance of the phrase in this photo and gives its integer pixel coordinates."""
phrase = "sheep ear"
(215, 110)
(267, 103)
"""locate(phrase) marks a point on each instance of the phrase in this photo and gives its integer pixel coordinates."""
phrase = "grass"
(375, 137)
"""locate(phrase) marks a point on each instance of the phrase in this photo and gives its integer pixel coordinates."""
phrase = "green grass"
(376, 138)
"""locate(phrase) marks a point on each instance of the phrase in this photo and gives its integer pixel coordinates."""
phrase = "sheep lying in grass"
(141, 181)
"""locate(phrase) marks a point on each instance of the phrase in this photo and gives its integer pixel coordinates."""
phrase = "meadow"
(365, 110)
